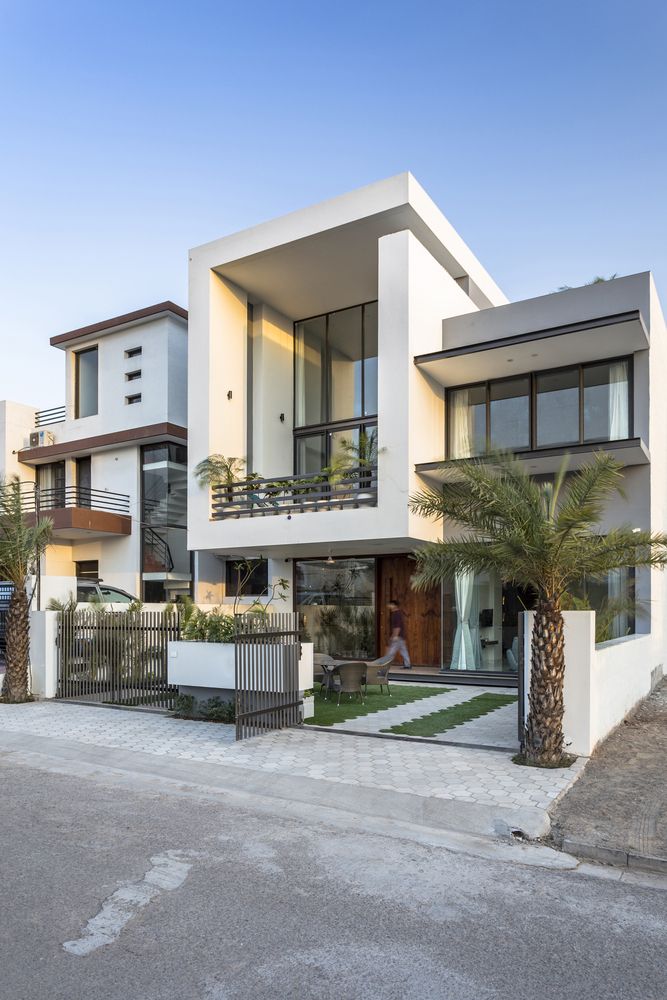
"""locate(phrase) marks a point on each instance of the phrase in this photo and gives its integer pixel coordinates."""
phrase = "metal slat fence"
(267, 653)
(117, 658)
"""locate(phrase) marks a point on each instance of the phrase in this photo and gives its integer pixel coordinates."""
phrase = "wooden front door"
(421, 610)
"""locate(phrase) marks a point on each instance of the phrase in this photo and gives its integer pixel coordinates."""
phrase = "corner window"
(85, 383)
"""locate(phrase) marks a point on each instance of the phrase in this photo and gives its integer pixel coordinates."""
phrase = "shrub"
(208, 626)
(217, 710)
(184, 705)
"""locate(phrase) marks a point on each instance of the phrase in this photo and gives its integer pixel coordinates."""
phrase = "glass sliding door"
(557, 407)
(509, 414)
(607, 401)
(337, 602)
(310, 371)
(467, 421)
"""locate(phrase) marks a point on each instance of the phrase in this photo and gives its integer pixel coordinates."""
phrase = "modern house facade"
(109, 466)
(344, 353)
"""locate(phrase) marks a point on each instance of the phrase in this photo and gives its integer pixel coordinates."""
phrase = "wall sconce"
(229, 394)
(282, 418)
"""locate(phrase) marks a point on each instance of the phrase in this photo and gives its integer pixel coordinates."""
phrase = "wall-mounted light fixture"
(229, 394)
(282, 418)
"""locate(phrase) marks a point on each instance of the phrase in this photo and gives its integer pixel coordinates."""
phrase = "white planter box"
(309, 707)
(212, 665)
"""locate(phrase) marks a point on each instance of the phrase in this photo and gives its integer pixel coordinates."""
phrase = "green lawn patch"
(439, 722)
(327, 713)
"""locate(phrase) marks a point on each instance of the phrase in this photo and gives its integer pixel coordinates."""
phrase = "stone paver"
(445, 772)
(497, 729)
(621, 803)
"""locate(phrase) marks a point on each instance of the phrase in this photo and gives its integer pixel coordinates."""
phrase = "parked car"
(98, 590)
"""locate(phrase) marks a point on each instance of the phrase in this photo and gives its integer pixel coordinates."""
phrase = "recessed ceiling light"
(509, 360)
(533, 355)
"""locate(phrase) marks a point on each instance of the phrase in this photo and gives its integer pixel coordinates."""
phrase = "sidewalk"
(456, 788)
(617, 813)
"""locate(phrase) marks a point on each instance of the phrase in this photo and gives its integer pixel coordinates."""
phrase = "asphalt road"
(113, 891)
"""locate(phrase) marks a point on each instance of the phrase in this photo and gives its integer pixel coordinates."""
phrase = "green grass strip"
(447, 718)
(327, 712)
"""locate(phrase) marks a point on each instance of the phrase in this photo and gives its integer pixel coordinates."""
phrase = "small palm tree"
(219, 470)
(22, 542)
(544, 536)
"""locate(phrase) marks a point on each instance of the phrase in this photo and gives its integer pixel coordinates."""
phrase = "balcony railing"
(56, 415)
(59, 498)
(296, 494)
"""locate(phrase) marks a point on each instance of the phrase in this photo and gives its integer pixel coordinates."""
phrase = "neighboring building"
(364, 332)
(110, 465)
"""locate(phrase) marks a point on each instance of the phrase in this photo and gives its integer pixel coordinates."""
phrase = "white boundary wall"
(602, 683)
(43, 653)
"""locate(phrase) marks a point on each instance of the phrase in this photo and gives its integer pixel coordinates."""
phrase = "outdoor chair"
(322, 670)
(351, 675)
(377, 672)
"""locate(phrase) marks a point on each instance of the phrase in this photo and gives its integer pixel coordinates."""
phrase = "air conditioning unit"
(40, 438)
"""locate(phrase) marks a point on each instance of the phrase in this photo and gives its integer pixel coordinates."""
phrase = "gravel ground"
(620, 801)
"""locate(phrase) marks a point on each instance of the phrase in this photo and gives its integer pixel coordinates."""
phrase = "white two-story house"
(344, 352)
(109, 465)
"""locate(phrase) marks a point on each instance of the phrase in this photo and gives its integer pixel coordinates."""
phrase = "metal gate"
(267, 656)
(117, 658)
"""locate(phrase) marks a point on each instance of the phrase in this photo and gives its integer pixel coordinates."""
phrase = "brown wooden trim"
(84, 519)
(110, 324)
(136, 435)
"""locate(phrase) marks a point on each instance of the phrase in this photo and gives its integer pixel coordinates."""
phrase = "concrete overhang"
(79, 523)
(571, 327)
(322, 257)
(543, 461)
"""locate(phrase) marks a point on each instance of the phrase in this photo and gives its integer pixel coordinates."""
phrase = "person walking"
(397, 643)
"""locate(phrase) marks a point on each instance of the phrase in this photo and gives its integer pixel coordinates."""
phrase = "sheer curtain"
(461, 417)
(618, 401)
(463, 656)
(617, 588)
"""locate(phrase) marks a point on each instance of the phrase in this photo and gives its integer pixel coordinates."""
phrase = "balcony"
(78, 512)
(56, 415)
(352, 488)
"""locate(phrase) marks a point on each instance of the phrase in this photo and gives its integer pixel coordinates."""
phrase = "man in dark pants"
(397, 643)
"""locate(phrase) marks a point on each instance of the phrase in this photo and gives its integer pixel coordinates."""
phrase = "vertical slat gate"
(117, 658)
(267, 653)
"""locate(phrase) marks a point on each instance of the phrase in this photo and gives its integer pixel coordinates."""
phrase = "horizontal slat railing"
(56, 415)
(58, 498)
(258, 497)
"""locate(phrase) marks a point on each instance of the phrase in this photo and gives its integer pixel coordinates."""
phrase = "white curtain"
(461, 417)
(618, 401)
(463, 654)
(617, 588)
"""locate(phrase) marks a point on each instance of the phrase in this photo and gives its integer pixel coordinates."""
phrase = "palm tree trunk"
(17, 649)
(544, 729)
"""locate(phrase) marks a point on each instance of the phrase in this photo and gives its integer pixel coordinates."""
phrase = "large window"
(85, 383)
(335, 380)
(567, 406)
(165, 556)
(336, 599)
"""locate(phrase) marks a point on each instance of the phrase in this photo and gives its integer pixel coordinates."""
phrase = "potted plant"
(219, 470)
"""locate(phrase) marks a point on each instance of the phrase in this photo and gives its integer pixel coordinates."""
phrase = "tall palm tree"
(545, 536)
(22, 541)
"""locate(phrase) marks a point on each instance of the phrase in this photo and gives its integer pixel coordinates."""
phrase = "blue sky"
(130, 132)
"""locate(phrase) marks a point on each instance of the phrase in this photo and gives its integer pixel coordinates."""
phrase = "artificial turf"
(439, 722)
(328, 712)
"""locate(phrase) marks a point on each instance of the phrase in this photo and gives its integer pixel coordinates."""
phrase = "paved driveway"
(446, 773)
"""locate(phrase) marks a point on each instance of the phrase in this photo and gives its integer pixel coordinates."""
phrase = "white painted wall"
(43, 653)
(272, 392)
(602, 683)
(16, 422)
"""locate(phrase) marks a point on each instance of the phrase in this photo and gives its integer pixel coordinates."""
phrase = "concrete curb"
(614, 856)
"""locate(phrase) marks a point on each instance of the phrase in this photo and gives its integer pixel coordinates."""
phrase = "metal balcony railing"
(58, 498)
(355, 487)
(56, 415)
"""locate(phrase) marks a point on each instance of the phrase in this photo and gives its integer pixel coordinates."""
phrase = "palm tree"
(22, 541)
(543, 536)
